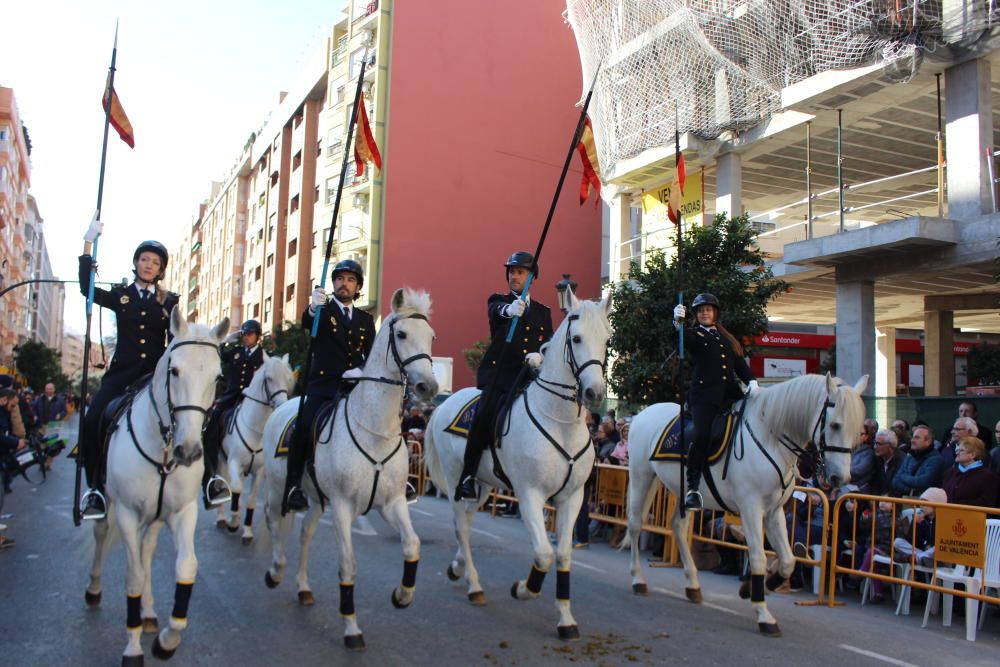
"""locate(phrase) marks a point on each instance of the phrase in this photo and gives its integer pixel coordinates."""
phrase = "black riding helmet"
(350, 266)
(706, 299)
(251, 327)
(153, 246)
(522, 259)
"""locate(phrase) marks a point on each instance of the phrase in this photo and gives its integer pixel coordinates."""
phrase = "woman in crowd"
(969, 481)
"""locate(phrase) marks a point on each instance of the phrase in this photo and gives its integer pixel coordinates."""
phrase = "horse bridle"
(575, 368)
(267, 392)
(401, 363)
(167, 430)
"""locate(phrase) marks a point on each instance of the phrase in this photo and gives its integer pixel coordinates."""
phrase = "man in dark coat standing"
(503, 361)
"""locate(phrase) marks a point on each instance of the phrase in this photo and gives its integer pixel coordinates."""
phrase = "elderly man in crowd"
(964, 427)
(968, 409)
(49, 407)
(888, 461)
(922, 468)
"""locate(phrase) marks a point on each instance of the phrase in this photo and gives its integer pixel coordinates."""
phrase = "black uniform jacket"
(339, 346)
(240, 364)
(716, 366)
(501, 368)
(143, 329)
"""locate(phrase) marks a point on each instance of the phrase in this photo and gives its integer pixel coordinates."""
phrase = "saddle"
(668, 445)
(324, 414)
(108, 422)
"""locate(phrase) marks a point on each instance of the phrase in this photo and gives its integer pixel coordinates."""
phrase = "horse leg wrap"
(562, 584)
(347, 599)
(234, 504)
(133, 615)
(774, 581)
(248, 519)
(535, 580)
(410, 573)
(182, 598)
(756, 588)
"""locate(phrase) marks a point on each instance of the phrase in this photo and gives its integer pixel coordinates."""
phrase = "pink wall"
(481, 115)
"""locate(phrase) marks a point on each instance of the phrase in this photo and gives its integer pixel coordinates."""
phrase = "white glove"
(96, 229)
(319, 299)
(515, 309)
(680, 312)
(752, 387)
(351, 374)
(533, 359)
(233, 337)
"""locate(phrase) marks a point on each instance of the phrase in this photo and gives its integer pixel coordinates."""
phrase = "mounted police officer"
(241, 356)
(142, 317)
(500, 367)
(718, 363)
(343, 341)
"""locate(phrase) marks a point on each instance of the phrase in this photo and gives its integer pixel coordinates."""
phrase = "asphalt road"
(236, 620)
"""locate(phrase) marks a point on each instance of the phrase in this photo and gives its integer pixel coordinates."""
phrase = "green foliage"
(40, 365)
(474, 355)
(721, 259)
(984, 364)
(292, 339)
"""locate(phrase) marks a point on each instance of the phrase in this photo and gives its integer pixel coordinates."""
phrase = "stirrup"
(466, 489)
(219, 498)
(89, 513)
(298, 506)
(693, 500)
(411, 494)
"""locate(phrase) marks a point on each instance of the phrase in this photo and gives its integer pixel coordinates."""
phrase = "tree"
(292, 339)
(722, 259)
(40, 365)
(474, 355)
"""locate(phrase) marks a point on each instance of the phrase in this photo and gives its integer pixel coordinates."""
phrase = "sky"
(195, 78)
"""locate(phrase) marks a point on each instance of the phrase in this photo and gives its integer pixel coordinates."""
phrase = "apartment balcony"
(366, 15)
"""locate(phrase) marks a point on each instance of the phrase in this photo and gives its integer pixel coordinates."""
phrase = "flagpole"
(77, 514)
(333, 222)
(680, 302)
(555, 198)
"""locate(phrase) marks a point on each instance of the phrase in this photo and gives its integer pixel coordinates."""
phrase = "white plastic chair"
(957, 575)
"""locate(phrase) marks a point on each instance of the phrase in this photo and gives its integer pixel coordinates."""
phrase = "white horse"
(810, 416)
(545, 450)
(361, 460)
(272, 385)
(154, 477)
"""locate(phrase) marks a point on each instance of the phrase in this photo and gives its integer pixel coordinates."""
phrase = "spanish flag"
(677, 189)
(118, 118)
(365, 149)
(588, 157)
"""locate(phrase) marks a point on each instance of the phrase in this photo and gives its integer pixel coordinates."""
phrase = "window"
(274, 179)
(316, 194)
(256, 310)
(355, 67)
(319, 147)
(331, 189)
(256, 274)
(294, 204)
(293, 247)
(341, 94)
(267, 309)
(262, 200)
(290, 292)
(297, 161)
(270, 259)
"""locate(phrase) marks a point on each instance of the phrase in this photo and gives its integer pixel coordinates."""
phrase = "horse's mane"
(781, 406)
(415, 302)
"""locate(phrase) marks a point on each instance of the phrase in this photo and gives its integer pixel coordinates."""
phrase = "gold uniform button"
(141, 327)
(322, 372)
(142, 341)
(525, 351)
(724, 366)
(142, 312)
(142, 355)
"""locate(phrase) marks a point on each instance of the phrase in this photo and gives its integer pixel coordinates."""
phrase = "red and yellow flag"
(365, 148)
(677, 190)
(118, 118)
(588, 158)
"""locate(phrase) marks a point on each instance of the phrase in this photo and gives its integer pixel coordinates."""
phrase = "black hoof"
(569, 633)
(769, 629)
(745, 590)
(355, 642)
(451, 573)
(640, 589)
(513, 591)
(693, 594)
(396, 603)
(247, 541)
(160, 652)
(94, 600)
(306, 598)
(133, 661)
(232, 529)
(478, 598)
(269, 580)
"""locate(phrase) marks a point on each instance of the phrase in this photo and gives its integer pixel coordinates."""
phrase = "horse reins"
(235, 426)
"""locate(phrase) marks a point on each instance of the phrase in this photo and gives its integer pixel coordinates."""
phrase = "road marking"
(487, 534)
(876, 656)
(710, 605)
(578, 563)
(414, 510)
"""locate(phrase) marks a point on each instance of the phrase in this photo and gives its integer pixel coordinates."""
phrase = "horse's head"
(274, 381)
(582, 339)
(839, 424)
(409, 341)
(185, 380)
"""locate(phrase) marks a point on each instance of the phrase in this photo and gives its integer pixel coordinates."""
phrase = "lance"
(77, 515)
(333, 222)
(555, 198)
(680, 302)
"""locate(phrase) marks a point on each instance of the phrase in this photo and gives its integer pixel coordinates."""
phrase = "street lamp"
(564, 288)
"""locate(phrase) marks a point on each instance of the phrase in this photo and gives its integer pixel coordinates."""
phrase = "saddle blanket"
(325, 412)
(668, 444)
(462, 422)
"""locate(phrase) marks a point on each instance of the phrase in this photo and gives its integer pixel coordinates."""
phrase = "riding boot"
(294, 498)
(466, 489)
(692, 499)
(215, 490)
(93, 504)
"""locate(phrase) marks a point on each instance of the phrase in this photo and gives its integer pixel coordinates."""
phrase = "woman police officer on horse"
(718, 362)
(142, 317)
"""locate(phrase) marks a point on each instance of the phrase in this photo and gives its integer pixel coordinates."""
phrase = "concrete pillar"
(885, 361)
(619, 231)
(968, 139)
(856, 332)
(729, 184)
(939, 353)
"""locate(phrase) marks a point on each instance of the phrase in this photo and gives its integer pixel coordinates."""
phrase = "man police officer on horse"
(142, 317)
(241, 356)
(343, 342)
(718, 362)
(500, 367)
